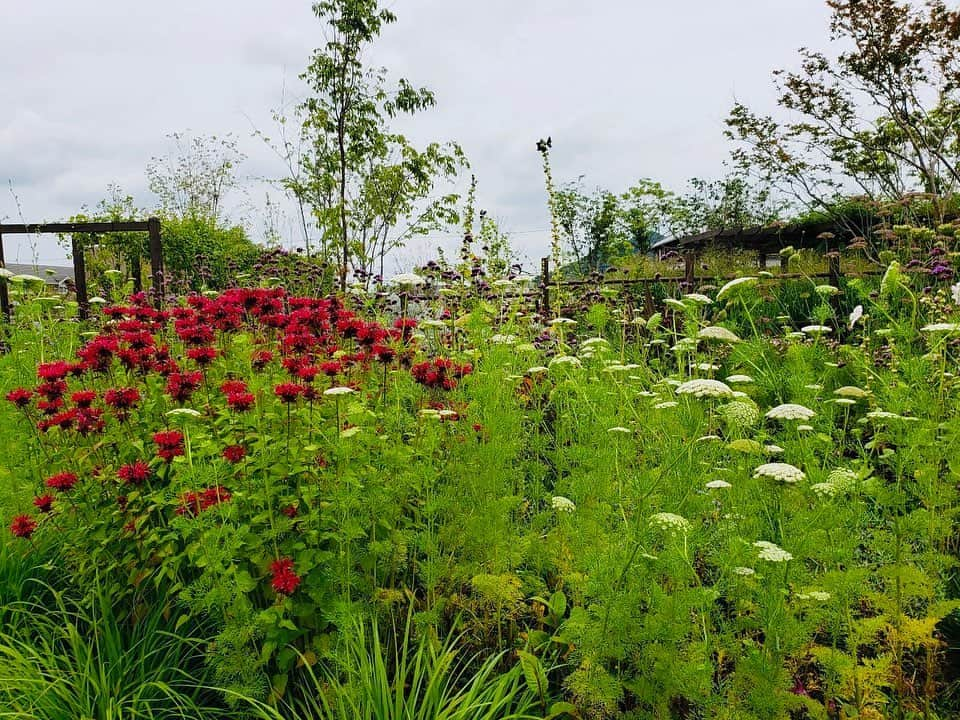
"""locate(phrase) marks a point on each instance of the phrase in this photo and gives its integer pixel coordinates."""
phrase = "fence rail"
(150, 226)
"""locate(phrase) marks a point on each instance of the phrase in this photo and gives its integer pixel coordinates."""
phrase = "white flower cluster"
(744, 571)
(784, 472)
(851, 391)
(703, 387)
(718, 485)
(790, 411)
(817, 595)
(670, 522)
(771, 552)
(737, 379)
(740, 414)
(718, 333)
(562, 504)
(735, 286)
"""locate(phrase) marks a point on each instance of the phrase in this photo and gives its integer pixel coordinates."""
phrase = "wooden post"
(648, 304)
(784, 264)
(834, 268)
(137, 272)
(156, 261)
(80, 277)
(689, 267)
(4, 295)
(545, 287)
(762, 260)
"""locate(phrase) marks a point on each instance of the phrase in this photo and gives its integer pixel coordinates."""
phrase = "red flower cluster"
(169, 444)
(180, 386)
(440, 373)
(63, 481)
(122, 399)
(285, 581)
(23, 526)
(44, 503)
(288, 392)
(135, 473)
(194, 503)
(20, 397)
(234, 453)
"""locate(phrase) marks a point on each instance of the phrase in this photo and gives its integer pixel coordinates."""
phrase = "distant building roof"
(53, 274)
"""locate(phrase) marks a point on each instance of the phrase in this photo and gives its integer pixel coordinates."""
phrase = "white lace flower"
(941, 327)
(851, 391)
(826, 290)
(718, 485)
(744, 571)
(790, 411)
(562, 504)
(339, 390)
(771, 552)
(406, 280)
(562, 321)
(815, 330)
(702, 387)
(825, 489)
(735, 286)
(773, 449)
(842, 478)
(670, 522)
(500, 339)
(619, 429)
(739, 379)
(740, 414)
(855, 316)
(817, 595)
(565, 360)
(699, 299)
(784, 472)
(665, 405)
(718, 334)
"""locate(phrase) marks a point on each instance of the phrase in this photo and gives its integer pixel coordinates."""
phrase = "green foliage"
(198, 253)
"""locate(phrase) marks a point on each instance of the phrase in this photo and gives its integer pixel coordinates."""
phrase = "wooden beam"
(74, 227)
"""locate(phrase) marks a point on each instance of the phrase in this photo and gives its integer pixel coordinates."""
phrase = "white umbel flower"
(735, 286)
(771, 552)
(815, 330)
(784, 472)
(565, 360)
(339, 390)
(407, 280)
(670, 522)
(941, 327)
(665, 405)
(718, 333)
(562, 504)
(718, 485)
(790, 411)
(739, 379)
(851, 391)
(744, 571)
(703, 387)
(700, 299)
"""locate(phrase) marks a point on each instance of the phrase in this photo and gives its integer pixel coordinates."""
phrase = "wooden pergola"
(150, 226)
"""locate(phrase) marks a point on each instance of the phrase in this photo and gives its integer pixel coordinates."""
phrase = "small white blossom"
(851, 391)
(699, 299)
(739, 379)
(406, 280)
(744, 571)
(562, 504)
(703, 387)
(670, 522)
(565, 360)
(718, 485)
(340, 390)
(818, 595)
(825, 489)
(183, 412)
(955, 293)
(735, 286)
(665, 405)
(619, 429)
(941, 327)
(790, 411)
(855, 316)
(784, 472)
(718, 334)
(771, 552)
(815, 330)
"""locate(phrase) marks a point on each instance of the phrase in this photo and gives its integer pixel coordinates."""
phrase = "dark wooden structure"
(151, 226)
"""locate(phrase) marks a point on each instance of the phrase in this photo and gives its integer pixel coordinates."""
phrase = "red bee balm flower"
(288, 392)
(234, 453)
(24, 525)
(44, 503)
(134, 473)
(169, 444)
(20, 397)
(122, 398)
(62, 481)
(240, 401)
(285, 581)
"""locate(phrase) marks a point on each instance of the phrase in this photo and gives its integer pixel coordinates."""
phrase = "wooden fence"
(150, 226)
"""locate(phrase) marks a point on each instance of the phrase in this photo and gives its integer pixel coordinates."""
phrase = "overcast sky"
(626, 88)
